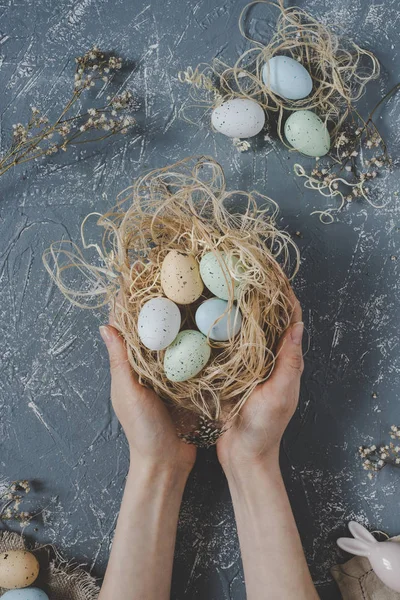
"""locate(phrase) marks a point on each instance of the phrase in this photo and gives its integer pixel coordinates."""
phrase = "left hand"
(256, 432)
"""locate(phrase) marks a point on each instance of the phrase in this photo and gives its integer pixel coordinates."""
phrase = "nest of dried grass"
(187, 207)
(339, 68)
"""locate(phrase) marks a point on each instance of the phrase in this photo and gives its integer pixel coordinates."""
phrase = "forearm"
(140, 565)
(272, 553)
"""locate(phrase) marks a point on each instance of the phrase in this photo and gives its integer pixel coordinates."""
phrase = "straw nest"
(187, 207)
(340, 69)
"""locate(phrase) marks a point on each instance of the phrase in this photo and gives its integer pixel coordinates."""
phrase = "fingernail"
(105, 334)
(296, 333)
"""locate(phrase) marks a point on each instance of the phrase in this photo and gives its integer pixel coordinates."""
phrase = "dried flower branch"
(40, 138)
(359, 155)
(375, 458)
(11, 497)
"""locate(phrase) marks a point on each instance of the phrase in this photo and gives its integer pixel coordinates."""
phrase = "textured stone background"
(56, 425)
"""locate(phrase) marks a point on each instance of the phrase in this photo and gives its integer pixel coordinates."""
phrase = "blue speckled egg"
(238, 118)
(226, 327)
(287, 78)
(186, 356)
(305, 131)
(25, 594)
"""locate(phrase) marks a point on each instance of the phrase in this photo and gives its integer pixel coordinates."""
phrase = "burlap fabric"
(357, 581)
(58, 579)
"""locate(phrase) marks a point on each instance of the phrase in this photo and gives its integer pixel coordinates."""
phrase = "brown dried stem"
(32, 141)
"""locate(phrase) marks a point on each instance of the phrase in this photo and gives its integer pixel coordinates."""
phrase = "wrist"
(250, 468)
(165, 473)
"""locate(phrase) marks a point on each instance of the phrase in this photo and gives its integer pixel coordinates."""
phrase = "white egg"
(305, 131)
(287, 78)
(186, 356)
(219, 274)
(215, 320)
(238, 118)
(158, 323)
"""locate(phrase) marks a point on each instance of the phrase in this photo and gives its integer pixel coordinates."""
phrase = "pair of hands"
(254, 436)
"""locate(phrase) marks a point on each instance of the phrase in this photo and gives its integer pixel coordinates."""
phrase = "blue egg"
(287, 78)
(221, 330)
(25, 594)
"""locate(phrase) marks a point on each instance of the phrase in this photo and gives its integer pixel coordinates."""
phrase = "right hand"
(144, 418)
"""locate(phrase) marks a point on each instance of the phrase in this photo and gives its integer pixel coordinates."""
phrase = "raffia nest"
(339, 68)
(186, 207)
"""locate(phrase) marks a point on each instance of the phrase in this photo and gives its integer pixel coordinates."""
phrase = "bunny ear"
(360, 533)
(353, 546)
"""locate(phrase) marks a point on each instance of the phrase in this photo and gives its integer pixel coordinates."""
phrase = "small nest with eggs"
(339, 68)
(186, 207)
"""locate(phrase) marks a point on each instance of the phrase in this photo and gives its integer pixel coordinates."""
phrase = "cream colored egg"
(306, 132)
(180, 277)
(18, 569)
(220, 274)
(186, 356)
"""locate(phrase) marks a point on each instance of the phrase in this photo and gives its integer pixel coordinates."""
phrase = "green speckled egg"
(305, 131)
(186, 356)
(220, 276)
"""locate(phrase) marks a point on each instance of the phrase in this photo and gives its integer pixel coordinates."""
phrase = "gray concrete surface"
(56, 425)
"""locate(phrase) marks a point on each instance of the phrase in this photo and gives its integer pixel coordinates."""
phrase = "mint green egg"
(219, 274)
(186, 356)
(306, 132)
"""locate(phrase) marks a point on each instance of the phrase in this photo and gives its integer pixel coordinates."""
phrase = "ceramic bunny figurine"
(383, 556)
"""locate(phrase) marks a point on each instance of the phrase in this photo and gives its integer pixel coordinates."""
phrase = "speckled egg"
(305, 131)
(158, 323)
(25, 594)
(180, 277)
(18, 569)
(287, 78)
(215, 320)
(220, 275)
(238, 118)
(186, 356)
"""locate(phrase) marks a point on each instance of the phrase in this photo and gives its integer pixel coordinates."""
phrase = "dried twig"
(40, 138)
(376, 458)
(359, 155)
(11, 497)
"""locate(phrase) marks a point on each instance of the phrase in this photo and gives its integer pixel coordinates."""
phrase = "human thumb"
(120, 368)
(290, 355)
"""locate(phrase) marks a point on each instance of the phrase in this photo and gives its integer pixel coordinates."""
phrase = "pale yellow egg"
(18, 569)
(180, 277)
